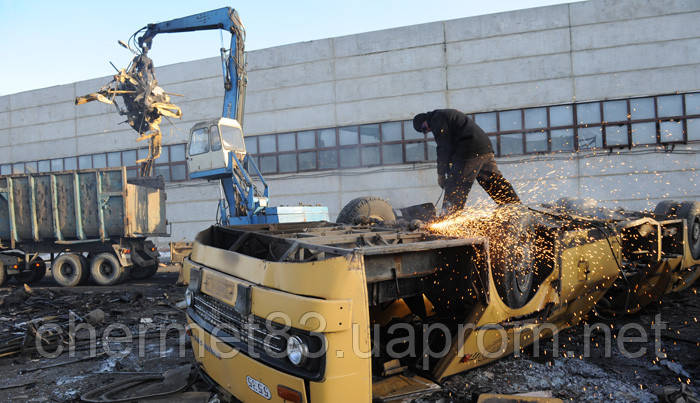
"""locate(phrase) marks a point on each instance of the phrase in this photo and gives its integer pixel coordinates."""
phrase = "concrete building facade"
(589, 99)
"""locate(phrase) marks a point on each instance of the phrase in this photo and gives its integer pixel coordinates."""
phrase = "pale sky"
(46, 43)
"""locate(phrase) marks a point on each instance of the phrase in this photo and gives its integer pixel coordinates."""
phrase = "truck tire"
(105, 269)
(666, 208)
(68, 270)
(143, 272)
(514, 265)
(86, 273)
(364, 210)
(690, 211)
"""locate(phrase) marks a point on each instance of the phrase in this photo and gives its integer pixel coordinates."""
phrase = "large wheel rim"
(106, 269)
(67, 270)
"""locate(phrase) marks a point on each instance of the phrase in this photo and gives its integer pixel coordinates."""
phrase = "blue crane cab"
(216, 150)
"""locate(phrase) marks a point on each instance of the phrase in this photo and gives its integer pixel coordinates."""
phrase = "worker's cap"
(418, 121)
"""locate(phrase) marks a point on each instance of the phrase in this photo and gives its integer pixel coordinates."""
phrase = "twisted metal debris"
(145, 103)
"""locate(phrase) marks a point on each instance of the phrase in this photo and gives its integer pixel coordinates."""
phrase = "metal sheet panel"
(78, 205)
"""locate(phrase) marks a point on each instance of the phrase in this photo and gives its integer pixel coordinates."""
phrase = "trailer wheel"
(106, 269)
(68, 270)
(143, 272)
(691, 212)
(364, 210)
(666, 208)
(86, 272)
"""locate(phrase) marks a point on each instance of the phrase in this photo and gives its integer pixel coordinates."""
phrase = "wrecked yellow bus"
(317, 312)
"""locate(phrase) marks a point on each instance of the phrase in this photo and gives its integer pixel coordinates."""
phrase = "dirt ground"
(147, 307)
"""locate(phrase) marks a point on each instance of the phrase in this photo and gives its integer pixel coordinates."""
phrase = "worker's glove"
(441, 181)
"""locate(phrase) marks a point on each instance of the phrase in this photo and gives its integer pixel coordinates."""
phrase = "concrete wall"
(592, 50)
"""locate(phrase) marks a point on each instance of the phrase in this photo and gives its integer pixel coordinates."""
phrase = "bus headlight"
(297, 351)
(188, 297)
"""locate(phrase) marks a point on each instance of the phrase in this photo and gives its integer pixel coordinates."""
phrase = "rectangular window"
(670, 105)
(287, 163)
(561, 116)
(588, 113)
(487, 122)
(391, 131)
(510, 120)
(615, 111)
(349, 157)
(307, 160)
(692, 104)
(643, 133)
(18, 168)
(99, 161)
(164, 171)
(347, 136)
(409, 133)
(590, 138)
(616, 135)
(115, 160)
(562, 140)
(511, 144)
(326, 138)
(214, 139)
(142, 153)
(165, 153)
(306, 140)
(5, 169)
(286, 142)
(31, 167)
(693, 129)
(535, 118)
(642, 108)
(179, 172)
(369, 134)
(370, 155)
(44, 166)
(268, 164)
(267, 144)
(251, 144)
(85, 162)
(57, 164)
(129, 157)
(671, 131)
(70, 163)
(536, 142)
(415, 152)
(199, 143)
(392, 154)
(328, 159)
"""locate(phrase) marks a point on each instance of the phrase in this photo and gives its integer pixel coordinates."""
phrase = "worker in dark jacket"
(464, 153)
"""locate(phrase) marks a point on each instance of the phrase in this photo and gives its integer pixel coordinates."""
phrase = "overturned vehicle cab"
(378, 307)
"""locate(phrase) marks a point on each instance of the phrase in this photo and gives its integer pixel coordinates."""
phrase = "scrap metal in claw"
(145, 104)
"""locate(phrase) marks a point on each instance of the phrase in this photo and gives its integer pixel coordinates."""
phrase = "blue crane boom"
(216, 149)
(232, 60)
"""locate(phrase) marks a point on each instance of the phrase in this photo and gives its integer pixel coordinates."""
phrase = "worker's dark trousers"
(484, 169)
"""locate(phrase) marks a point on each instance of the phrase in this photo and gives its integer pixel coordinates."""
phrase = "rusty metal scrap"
(145, 104)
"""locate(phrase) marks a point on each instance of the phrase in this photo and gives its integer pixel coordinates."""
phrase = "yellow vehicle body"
(337, 292)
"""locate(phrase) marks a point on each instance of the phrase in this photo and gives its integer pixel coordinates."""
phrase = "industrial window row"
(620, 123)
(171, 164)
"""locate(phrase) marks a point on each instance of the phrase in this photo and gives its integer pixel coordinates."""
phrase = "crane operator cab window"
(211, 142)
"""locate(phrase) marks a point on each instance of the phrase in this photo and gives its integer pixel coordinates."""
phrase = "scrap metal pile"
(84, 339)
(145, 103)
